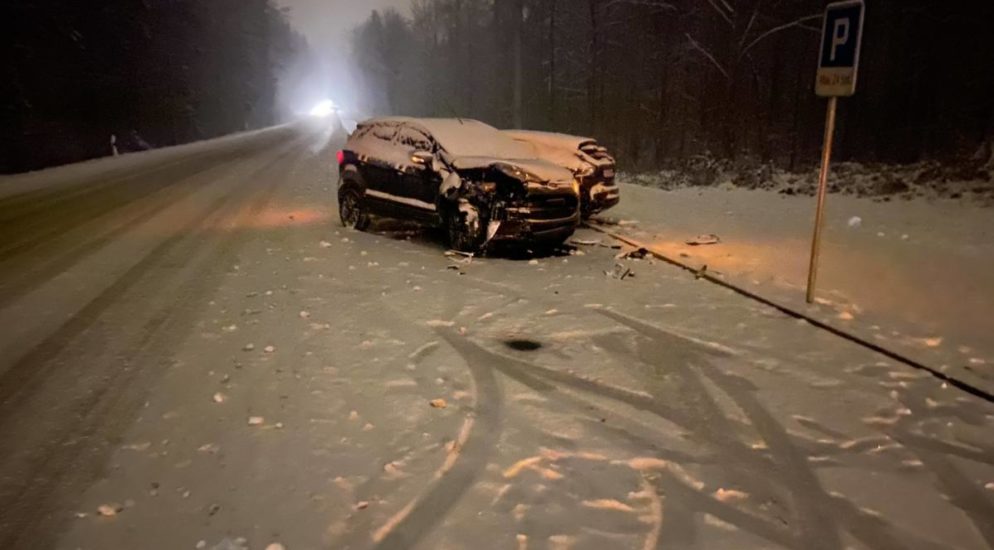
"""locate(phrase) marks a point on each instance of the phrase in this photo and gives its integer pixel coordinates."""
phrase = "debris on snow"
(220, 397)
(620, 272)
(305, 314)
(932, 342)
(214, 509)
(354, 415)
(729, 495)
(438, 403)
(256, 421)
(394, 472)
(209, 448)
(705, 239)
(855, 222)
(608, 504)
(269, 349)
(275, 546)
(533, 261)
(362, 505)
(634, 254)
(109, 510)
(520, 466)
(324, 244)
(248, 347)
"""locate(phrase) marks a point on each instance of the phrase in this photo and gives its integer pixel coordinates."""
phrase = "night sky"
(326, 23)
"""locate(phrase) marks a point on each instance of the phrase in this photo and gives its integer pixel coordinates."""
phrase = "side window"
(414, 139)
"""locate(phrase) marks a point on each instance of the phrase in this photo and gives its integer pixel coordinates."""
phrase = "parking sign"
(841, 36)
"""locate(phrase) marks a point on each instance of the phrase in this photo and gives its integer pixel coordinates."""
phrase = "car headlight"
(576, 187)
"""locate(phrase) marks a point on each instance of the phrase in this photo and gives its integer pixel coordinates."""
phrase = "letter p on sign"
(839, 37)
(840, 44)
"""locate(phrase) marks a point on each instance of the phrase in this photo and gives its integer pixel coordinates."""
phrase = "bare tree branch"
(722, 13)
(752, 20)
(708, 55)
(796, 23)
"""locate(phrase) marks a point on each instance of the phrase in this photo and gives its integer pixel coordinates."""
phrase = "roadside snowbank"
(131, 165)
(972, 182)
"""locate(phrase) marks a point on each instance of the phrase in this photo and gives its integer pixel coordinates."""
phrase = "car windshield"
(470, 138)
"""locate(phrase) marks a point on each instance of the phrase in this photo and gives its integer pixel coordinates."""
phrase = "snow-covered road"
(200, 357)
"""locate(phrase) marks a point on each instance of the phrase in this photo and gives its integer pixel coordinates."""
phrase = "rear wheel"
(465, 228)
(352, 210)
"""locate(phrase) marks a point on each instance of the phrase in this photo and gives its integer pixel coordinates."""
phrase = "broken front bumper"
(542, 218)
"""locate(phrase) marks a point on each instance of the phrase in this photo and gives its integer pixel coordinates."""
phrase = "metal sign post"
(838, 66)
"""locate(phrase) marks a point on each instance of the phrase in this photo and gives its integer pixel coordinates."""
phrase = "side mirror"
(422, 158)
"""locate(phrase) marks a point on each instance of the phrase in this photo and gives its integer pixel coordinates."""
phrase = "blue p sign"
(840, 43)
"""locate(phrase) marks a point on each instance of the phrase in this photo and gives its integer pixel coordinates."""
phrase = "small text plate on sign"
(841, 37)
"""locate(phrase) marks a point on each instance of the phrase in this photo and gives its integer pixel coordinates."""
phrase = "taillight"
(341, 157)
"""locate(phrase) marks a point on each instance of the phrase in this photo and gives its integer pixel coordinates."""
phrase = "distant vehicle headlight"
(324, 109)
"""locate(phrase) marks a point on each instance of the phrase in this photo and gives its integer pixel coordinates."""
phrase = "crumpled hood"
(534, 170)
(561, 149)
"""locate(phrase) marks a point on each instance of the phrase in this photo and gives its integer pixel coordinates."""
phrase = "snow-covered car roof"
(550, 139)
(464, 137)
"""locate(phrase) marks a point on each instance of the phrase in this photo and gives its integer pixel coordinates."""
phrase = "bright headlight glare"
(323, 109)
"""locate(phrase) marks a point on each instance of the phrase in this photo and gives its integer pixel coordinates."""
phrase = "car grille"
(551, 208)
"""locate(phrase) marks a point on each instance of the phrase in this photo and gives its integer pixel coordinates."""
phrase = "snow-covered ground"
(914, 275)
(202, 357)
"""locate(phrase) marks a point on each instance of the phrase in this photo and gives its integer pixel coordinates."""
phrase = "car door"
(382, 158)
(417, 183)
(379, 171)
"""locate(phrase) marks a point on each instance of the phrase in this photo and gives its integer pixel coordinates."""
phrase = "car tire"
(462, 235)
(352, 210)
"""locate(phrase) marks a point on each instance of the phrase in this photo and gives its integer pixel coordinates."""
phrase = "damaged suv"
(589, 162)
(476, 183)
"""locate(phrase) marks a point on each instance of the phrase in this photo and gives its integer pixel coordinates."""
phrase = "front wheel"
(465, 228)
(352, 210)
